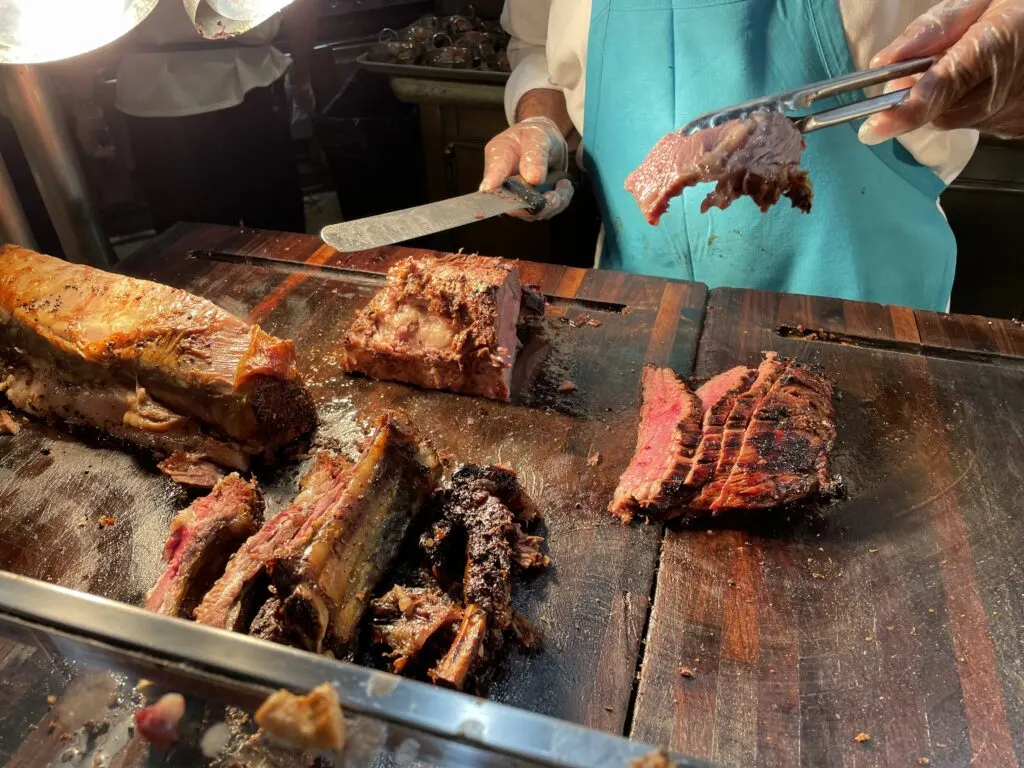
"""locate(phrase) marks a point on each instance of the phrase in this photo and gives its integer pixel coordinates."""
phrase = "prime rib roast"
(443, 323)
(201, 539)
(758, 156)
(746, 439)
(149, 365)
(306, 577)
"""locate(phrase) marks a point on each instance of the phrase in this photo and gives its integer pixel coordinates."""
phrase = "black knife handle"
(533, 196)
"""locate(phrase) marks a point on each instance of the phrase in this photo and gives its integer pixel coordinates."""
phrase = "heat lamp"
(35, 32)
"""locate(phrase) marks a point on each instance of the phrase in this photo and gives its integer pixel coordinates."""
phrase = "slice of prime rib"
(236, 596)
(201, 539)
(669, 433)
(758, 156)
(443, 323)
(735, 427)
(785, 452)
(147, 364)
(321, 588)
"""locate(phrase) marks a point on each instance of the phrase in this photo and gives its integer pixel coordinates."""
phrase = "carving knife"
(408, 224)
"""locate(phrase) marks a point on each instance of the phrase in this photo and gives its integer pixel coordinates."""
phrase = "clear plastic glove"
(977, 83)
(530, 148)
(92, 132)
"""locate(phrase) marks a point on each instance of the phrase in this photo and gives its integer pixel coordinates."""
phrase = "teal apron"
(875, 231)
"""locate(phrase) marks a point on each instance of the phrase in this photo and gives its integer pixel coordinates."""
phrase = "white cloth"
(549, 50)
(179, 83)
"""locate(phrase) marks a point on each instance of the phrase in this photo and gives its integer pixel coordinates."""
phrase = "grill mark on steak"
(201, 539)
(758, 156)
(668, 436)
(784, 455)
(242, 589)
(324, 588)
(443, 323)
(743, 408)
(718, 397)
(75, 332)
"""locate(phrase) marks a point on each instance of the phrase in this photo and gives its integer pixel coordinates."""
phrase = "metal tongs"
(802, 98)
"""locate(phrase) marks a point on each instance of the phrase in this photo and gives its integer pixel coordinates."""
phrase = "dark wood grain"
(895, 611)
(591, 604)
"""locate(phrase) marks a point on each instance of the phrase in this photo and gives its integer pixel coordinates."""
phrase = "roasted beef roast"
(745, 440)
(443, 323)
(758, 157)
(147, 364)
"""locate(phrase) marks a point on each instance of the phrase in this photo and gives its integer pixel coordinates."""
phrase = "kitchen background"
(385, 141)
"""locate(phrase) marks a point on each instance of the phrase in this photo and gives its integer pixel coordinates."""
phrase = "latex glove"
(92, 132)
(977, 83)
(531, 148)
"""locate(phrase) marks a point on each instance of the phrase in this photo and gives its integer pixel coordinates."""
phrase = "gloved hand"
(530, 148)
(977, 83)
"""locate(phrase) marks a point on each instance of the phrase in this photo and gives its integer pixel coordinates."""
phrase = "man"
(209, 123)
(622, 73)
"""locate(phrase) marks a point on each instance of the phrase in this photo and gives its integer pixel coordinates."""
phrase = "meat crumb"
(923, 761)
(687, 672)
(862, 737)
(313, 721)
(106, 521)
(594, 459)
(158, 724)
(656, 759)
(566, 387)
(8, 426)
(51, 699)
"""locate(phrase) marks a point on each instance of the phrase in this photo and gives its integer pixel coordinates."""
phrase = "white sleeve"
(527, 23)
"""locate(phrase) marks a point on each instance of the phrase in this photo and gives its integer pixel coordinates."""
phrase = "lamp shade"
(219, 19)
(37, 31)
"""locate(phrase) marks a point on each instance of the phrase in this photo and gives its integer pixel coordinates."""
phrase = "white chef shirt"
(178, 83)
(549, 50)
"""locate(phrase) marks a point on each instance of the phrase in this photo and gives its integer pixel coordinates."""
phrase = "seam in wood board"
(904, 347)
(641, 651)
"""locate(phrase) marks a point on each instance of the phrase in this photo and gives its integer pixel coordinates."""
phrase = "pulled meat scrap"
(758, 156)
(144, 363)
(745, 440)
(477, 540)
(443, 323)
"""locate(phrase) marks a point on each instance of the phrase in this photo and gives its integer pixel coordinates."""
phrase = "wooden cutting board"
(897, 612)
(591, 604)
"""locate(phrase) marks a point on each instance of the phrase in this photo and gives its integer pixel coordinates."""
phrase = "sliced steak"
(735, 426)
(718, 396)
(154, 365)
(443, 323)
(202, 538)
(669, 433)
(238, 594)
(758, 156)
(785, 451)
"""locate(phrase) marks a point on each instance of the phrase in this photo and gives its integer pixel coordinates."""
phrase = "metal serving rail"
(447, 727)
